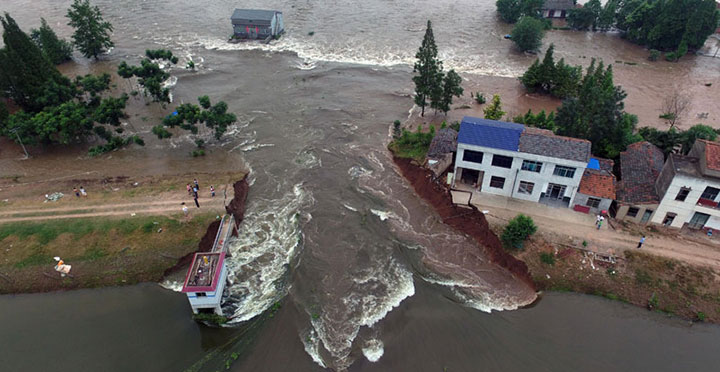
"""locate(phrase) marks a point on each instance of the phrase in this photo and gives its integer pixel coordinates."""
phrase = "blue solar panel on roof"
(490, 133)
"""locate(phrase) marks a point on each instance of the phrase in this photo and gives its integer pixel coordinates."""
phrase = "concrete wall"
(581, 199)
(515, 174)
(685, 209)
(621, 213)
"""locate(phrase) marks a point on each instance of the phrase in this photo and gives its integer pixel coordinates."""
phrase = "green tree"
(92, 32)
(539, 120)
(26, 76)
(451, 88)
(557, 79)
(667, 141)
(509, 10)
(696, 132)
(494, 110)
(664, 24)
(54, 48)
(527, 34)
(681, 50)
(517, 231)
(582, 18)
(606, 20)
(189, 116)
(428, 80)
(150, 75)
(597, 113)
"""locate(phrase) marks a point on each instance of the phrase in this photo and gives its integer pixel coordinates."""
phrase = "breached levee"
(469, 221)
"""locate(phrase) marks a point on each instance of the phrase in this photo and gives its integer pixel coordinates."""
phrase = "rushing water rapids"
(330, 225)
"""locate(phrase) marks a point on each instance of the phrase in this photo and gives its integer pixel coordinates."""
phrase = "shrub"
(653, 302)
(396, 129)
(671, 57)
(654, 55)
(517, 231)
(547, 258)
(700, 316)
(479, 98)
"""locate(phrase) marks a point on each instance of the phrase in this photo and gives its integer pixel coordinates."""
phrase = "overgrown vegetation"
(547, 258)
(211, 318)
(557, 79)
(539, 120)
(674, 140)
(92, 32)
(150, 75)
(494, 110)
(670, 25)
(517, 231)
(511, 10)
(55, 49)
(413, 145)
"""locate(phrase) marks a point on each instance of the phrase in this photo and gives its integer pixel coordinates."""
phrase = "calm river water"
(371, 279)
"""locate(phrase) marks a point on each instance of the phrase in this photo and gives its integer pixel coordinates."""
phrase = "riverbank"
(660, 284)
(126, 231)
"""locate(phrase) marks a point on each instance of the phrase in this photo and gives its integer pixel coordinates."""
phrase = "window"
(531, 166)
(564, 171)
(502, 161)
(682, 194)
(710, 193)
(472, 156)
(632, 212)
(669, 218)
(201, 294)
(526, 187)
(593, 202)
(497, 182)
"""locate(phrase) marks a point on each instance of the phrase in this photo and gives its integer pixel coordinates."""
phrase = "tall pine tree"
(428, 81)
(92, 32)
(451, 88)
(26, 75)
(55, 49)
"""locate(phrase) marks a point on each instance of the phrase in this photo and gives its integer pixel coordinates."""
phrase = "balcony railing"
(707, 203)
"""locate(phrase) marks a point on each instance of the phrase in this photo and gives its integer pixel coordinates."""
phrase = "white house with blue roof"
(513, 160)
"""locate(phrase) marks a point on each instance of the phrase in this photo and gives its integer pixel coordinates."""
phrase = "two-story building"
(512, 160)
(689, 187)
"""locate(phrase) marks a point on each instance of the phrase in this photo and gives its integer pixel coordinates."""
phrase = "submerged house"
(526, 163)
(557, 8)
(257, 24)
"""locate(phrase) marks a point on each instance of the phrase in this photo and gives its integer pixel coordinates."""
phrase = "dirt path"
(126, 209)
(570, 228)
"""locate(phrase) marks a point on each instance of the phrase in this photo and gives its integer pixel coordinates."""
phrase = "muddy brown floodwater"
(370, 277)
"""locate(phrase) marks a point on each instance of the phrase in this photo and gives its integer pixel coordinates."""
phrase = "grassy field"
(102, 251)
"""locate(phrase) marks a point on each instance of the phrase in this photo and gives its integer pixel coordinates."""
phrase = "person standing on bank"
(196, 201)
(212, 191)
(640, 243)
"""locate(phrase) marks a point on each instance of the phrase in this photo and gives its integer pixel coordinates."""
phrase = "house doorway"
(698, 220)
(646, 216)
(472, 177)
(555, 191)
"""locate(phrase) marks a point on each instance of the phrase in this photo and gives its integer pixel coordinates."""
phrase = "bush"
(413, 145)
(547, 258)
(196, 153)
(517, 231)
(700, 316)
(654, 55)
(528, 33)
(479, 98)
(396, 129)
(670, 57)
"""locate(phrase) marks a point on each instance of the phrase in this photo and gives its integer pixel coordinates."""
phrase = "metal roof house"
(257, 24)
(512, 160)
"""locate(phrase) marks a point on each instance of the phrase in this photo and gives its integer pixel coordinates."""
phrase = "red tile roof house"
(597, 187)
(689, 188)
(636, 197)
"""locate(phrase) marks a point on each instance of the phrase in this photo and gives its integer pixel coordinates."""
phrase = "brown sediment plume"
(469, 221)
(236, 207)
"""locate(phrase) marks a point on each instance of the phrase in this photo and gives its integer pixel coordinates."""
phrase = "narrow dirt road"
(565, 226)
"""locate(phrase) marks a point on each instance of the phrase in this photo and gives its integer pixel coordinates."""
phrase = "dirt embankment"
(236, 207)
(469, 221)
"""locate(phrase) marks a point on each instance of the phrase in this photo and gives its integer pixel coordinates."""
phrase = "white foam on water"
(269, 239)
(356, 171)
(172, 285)
(383, 215)
(373, 350)
(382, 287)
(308, 159)
(312, 347)
(350, 208)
